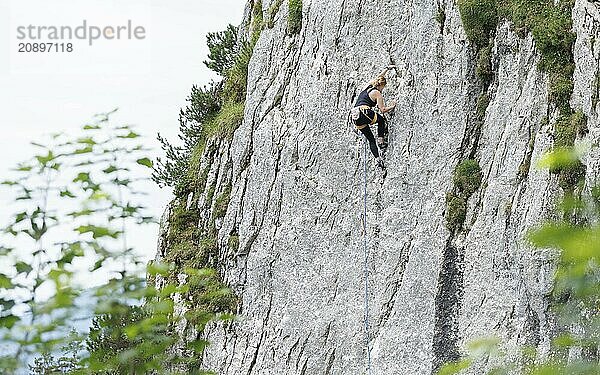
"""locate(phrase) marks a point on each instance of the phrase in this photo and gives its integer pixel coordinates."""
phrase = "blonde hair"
(379, 81)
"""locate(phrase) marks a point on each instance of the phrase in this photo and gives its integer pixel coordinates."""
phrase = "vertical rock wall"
(296, 171)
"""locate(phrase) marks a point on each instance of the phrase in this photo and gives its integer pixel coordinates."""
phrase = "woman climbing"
(363, 114)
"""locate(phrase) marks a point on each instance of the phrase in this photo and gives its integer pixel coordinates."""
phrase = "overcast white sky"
(147, 79)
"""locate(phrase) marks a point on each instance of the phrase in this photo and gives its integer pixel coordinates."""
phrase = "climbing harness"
(355, 114)
(366, 265)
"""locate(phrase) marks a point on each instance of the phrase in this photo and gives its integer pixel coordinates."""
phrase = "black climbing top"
(364, 99)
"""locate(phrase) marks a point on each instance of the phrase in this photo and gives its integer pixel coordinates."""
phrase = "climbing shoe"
(383, 146)
(380, 163)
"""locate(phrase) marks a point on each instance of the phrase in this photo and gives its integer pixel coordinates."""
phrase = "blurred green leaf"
(9, 321)
(82, 177)
(23, 267)
(87, 141)
(130, 135)
(110, 169)
(83, 150)
(570, 204)
(202, 273)
(455, 367)
(564, 341)
(577, 244)
(162, 307)
(146, 220)
(45, 159)
(145, 162)
(5, 282)
(67, 193)
(20, 217)
(24, 168)
(159, 268)
(6, 304)
(98, 231)
(168, 290)
(70, 253)
(99, 196)
(484, 346)
(98, 264)
(198, 346)
(121, 182)
(85, 212)
(559, 158)
(548, 369)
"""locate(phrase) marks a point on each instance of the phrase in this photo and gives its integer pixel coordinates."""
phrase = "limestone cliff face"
(296, 172)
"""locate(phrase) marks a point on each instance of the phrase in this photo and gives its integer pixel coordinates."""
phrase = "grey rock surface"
(296, 169)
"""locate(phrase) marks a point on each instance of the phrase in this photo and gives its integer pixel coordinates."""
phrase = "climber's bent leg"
(371, 138)
(380, 126)
(381, 130)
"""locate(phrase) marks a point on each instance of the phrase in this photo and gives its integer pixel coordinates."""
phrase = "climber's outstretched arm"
(387, 69)
(381, 103)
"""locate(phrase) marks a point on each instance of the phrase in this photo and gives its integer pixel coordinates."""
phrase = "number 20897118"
(45, 47)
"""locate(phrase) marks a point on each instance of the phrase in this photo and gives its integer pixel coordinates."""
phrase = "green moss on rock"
(479, 18)
(222, 202)
(482, 103)
(182, 223)
(571, 177)
(209, 296)
(551, 29)
(226, 122)
(560, 88)
(273, 10)
(467, 177)
(294, 16)
(194, 253)
(441, 18)
(484, 65)
(257, 22)
(568, 128)
(521, 13)
(566, 131)
(234, 242)
(550, 23)
(210, 193)
(456, 211)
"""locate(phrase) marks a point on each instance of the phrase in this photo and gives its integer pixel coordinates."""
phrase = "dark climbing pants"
(365, 118)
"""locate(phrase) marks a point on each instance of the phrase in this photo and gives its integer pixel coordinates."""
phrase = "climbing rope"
(366, 266)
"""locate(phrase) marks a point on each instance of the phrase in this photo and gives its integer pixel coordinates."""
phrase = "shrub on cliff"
(224, 48)
(479, 18)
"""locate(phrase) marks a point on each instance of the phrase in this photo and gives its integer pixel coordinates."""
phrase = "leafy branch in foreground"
(65, 259)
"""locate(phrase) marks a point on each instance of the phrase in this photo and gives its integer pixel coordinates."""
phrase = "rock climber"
(363, 114)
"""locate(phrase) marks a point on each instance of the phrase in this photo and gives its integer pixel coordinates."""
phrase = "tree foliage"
(203, 106)
(224, 48)
(66, 362)
(65, 257)
(213, 111)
